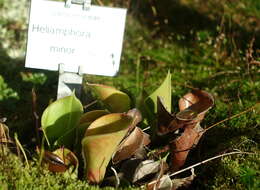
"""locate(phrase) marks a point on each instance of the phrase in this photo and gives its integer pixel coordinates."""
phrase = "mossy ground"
(14, 174)
(206, 45)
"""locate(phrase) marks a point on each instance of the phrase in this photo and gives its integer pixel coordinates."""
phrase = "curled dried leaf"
(60, 160)
(193, 107)
(181, 146)
(130, 145)
(136, 169)
(55, 163)
(137, 117)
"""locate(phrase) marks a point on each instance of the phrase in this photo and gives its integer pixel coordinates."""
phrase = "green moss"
(15, 175)
(237, 173)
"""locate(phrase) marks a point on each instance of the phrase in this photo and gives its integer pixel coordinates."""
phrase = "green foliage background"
(205, 44)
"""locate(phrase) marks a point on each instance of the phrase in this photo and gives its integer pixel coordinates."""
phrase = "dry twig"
(232, 117)
(207, 160)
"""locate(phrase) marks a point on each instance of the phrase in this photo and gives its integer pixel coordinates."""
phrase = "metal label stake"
(68, 81)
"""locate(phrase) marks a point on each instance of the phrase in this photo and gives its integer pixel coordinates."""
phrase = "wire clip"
(86, 3)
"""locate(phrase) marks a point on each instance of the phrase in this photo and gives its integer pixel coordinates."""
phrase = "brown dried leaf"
(193, 107)
(141, 153)
(137, 117)
(55, 163)
(136, 170)
(130, 145)
(181, 146)
(60, 160)
(145, 168)
(146, 139)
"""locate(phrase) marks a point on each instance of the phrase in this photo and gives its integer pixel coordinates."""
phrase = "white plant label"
(91, 39)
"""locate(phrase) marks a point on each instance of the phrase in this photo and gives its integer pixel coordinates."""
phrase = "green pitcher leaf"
(91, 116)
(115, 100)
(164, 92)
(87, 118)
(60, 119)
(101, 141)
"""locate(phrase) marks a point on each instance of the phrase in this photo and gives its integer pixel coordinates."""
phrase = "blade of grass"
(21, 148)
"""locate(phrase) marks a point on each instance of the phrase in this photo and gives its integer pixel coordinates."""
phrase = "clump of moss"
(14, 174)
(237, 173)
